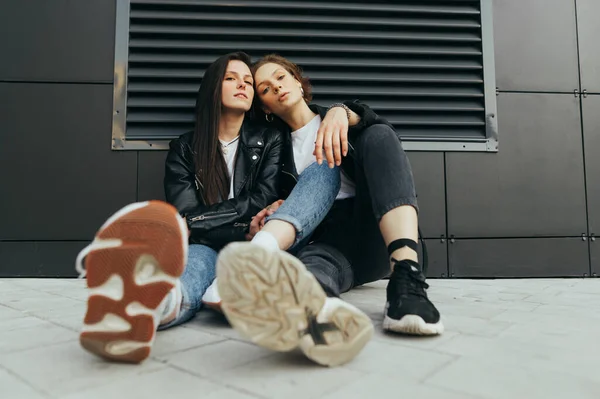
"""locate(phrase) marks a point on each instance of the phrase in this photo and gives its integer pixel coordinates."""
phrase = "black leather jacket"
(256, 185)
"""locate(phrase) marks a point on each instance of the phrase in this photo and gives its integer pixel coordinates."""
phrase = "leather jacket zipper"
(207, 217)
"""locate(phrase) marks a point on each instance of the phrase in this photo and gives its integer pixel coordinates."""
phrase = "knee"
(377, 136)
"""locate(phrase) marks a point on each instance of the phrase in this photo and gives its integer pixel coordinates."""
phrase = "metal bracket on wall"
(592, 237)
(584, 93)
(576, 92)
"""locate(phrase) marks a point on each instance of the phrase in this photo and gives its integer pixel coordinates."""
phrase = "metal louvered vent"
(426, 66)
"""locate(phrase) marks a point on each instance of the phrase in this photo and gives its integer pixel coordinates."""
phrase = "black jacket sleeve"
(368, 117)
(227, 220)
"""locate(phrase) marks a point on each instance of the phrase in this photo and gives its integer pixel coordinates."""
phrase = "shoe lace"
(408, 279)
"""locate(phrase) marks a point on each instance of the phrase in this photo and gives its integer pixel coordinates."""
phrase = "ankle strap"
(401, 243)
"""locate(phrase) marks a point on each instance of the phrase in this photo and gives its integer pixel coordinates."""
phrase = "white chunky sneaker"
(270, 298)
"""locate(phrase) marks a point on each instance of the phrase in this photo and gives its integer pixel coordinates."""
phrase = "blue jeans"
(305, 208)
(198, 275)
(309, 202)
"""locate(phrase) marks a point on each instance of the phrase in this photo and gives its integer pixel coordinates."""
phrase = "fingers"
(274, 206)
(337, 148)
(344, 140)
(318, 152)
(261, 214)
(328, 147)
(332, 137)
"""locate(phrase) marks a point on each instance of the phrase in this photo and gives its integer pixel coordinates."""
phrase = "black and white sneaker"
(272, 299)
(408, 310)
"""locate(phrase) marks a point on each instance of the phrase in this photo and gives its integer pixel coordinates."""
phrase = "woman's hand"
(258, 221)
(332, 137)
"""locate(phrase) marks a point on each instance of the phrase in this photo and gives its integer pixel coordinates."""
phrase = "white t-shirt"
(229, 149)
(303, 142)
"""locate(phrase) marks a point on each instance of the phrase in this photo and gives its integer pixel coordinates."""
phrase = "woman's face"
(237, 92)
(277, 89)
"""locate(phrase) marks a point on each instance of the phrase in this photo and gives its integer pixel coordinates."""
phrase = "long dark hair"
(211, 169)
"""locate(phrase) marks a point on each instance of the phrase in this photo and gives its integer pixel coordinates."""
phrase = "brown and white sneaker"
(132, 269)
(273, 300)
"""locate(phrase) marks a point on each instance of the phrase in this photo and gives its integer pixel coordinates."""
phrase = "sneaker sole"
(129, 279)
(270, 298)
(413, 325)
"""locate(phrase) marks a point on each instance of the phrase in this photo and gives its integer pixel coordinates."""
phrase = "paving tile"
(7, 314)
(381, 386)
(25, 321)
(393, 360)
(13, 387)
(216, 358)
(161, 383)
(67, 369)
(49, 283)
(215, 323)
(290, 376)
(76, 293)
(498, 381)
(516, 316)
(76, 309)
(474, 325)
(34, 301)
(30, 332)
(588, 286)
(10, 285)
(480, 311)
(177, 339)
(14, 293)
(228, 393)
(533, 355)
(411, 341)
(72, 321)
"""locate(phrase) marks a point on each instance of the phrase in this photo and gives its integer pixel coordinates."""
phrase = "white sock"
(266, 240)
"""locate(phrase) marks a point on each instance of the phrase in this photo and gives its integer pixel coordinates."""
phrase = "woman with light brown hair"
(282, 302)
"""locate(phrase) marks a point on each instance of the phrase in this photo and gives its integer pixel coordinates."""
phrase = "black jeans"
(347, 249)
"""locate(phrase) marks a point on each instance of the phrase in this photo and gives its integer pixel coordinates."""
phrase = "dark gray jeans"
(347, 248)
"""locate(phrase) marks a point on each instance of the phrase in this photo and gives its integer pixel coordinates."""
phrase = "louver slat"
(417, 63)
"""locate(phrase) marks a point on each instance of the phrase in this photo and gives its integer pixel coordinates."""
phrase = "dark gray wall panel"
(528, 257)
(151, 172)
(61, 176)
(591, 132)
(57, 40)
(534, 186)
(438, 258)
(595, 257)
(428, 171)
(535, 45)
(589, 32)
(39, 259)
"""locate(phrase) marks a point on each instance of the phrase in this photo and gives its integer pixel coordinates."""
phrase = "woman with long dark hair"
(371, 231)
(151, 263)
